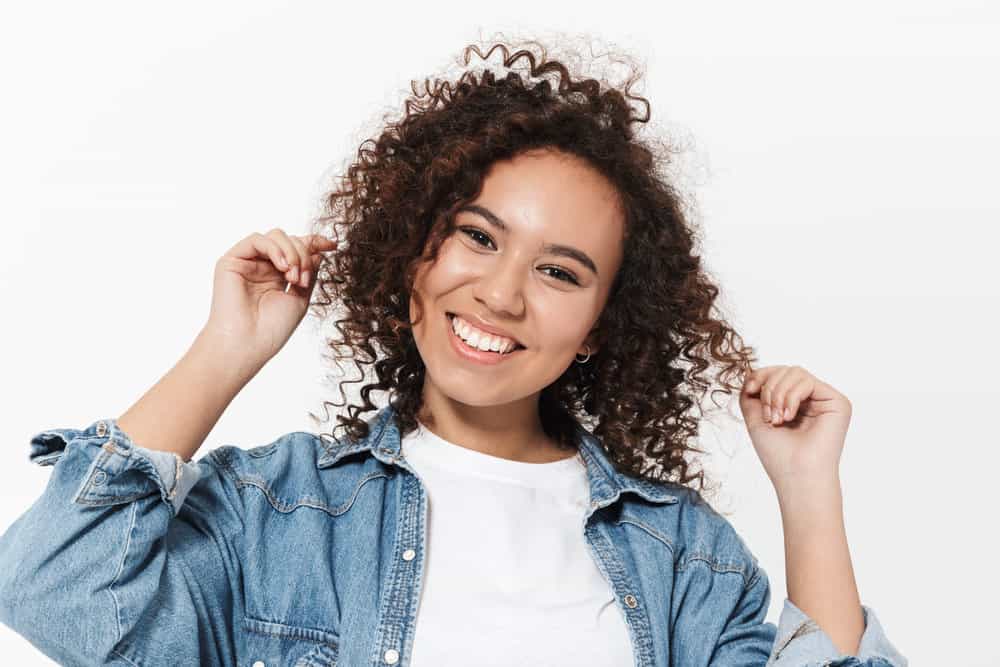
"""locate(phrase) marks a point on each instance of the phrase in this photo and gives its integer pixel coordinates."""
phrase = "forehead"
(553, 197)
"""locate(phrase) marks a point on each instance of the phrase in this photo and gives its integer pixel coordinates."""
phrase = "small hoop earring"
(586, 358)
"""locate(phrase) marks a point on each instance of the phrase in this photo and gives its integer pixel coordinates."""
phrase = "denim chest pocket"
(270, 644)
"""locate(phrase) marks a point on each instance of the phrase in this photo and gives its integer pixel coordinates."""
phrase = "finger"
(317, 243)
(289, 252)
(305, 263)
(256, 246)
(767, 391)
(318, 247)
(756, 379)
(781, 392)
(799, 392)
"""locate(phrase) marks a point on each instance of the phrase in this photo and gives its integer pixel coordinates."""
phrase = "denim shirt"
(309, 552)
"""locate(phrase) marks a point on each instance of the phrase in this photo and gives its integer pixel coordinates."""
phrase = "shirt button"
(409, 554)
(102, 428)
(631, 601)
(392, 656)
(259, 663)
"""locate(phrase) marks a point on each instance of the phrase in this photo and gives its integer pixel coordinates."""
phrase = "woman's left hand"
(802, 445)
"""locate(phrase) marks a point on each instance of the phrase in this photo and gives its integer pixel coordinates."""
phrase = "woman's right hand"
(251, 310)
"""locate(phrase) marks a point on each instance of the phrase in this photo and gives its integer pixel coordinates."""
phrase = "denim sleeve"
(797, 641)
(129, 556)
(800, 641)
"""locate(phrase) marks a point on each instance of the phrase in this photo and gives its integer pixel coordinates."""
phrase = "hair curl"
(395, 206)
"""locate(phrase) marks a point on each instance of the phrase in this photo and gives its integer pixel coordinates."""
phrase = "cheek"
(420, 303)
(433, 281)
(447, 273)
(564, 320)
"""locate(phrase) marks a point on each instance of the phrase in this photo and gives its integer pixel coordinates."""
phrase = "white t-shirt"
(509, 578)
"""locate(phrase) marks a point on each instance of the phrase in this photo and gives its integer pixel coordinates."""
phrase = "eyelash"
(569, 277)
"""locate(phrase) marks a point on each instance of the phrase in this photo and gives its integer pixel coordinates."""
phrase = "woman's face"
(533, 258)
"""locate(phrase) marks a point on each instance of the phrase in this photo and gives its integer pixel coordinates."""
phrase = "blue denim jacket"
(309, 552)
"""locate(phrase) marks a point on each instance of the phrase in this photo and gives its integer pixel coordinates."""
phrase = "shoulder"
(699, 537)
(290, 450)
(286, 471)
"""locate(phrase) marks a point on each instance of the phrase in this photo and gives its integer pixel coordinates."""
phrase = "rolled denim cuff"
(800, 641)
(121, 471)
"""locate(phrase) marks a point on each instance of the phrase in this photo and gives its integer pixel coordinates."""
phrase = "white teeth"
(479, 339)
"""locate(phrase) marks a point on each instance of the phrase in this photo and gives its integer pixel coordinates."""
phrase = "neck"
(510, 431)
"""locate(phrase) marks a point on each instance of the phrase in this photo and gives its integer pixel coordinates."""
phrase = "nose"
(501, 288)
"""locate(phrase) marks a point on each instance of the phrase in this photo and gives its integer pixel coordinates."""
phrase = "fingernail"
(767, 413)
(788, 413)
(305, 278)
(295, 274)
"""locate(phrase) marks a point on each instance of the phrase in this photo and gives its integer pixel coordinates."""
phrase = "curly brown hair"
(396, 204)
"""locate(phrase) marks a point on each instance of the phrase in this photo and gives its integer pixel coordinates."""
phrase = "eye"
(474, 232)
(561, 275)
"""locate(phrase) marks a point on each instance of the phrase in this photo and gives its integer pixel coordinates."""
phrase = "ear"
(594, 340)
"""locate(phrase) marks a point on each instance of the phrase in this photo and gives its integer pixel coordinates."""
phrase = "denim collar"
(606, 483)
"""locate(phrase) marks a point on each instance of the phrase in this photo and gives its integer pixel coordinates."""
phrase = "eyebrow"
(549, 248)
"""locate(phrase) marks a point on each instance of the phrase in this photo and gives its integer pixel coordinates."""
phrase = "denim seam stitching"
(120, 569)
(805, 628)
(286, 508)
(649, 529)
(134, 664)
(714, 565)
(296, 637)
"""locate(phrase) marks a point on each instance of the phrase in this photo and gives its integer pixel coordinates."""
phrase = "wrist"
(810, 495)
(799, 484)
(224, 357)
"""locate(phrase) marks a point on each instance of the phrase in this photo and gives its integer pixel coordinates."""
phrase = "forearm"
(818, 570)
(180, 410)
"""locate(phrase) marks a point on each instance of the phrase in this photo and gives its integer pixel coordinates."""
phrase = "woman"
(511, 270)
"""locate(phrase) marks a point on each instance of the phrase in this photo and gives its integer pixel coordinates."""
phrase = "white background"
(844, 164)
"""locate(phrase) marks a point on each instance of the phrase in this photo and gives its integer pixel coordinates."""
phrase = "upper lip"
(478, 322)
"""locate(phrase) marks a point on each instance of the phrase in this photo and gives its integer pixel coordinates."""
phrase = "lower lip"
(478, 356)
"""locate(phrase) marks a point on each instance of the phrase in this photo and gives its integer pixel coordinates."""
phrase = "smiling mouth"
(517, 346)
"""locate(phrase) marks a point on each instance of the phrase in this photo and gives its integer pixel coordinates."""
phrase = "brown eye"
(477, 234)
(483, 239)
(561, 275)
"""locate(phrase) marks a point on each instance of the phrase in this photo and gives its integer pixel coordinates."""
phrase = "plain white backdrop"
(844, 165)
